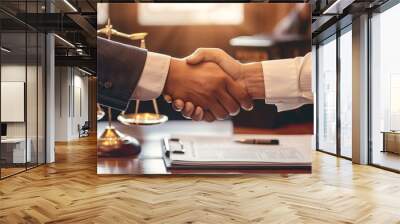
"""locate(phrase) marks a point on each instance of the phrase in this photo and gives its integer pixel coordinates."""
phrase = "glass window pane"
(385, 87)
(31, 97)
(22, 90)
(41, 98)
(327, 96)
(32, 89)
(13, 86)
(346, 94)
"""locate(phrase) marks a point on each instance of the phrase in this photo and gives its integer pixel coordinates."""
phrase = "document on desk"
(224, 151)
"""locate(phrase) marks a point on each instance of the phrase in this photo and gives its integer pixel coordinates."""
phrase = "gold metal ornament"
(113, 143)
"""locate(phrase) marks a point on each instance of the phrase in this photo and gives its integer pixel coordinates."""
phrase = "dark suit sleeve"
(119, 67)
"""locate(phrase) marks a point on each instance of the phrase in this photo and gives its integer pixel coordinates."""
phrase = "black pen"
(259, 141)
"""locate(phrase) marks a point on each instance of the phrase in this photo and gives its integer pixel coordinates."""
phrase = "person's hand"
(248, 75)
(207, 86)
(188, 110)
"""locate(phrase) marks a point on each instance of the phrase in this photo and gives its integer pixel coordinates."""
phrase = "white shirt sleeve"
(154, 75)
(288, 82)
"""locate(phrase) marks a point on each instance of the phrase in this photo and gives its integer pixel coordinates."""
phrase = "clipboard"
(166, 150)
(175, 145)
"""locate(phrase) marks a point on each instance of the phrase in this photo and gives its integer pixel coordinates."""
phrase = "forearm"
(175, 67)
(253, 77)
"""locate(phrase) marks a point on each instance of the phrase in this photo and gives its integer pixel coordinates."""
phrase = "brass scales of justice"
(111, 142)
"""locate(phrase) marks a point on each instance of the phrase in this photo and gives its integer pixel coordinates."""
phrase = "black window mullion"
(44, 69)
(316, 96)
(26, 87)
(338, 76)
(369, 75)
(37, 90)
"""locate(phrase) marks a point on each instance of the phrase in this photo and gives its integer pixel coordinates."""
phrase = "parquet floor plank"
(70, 191)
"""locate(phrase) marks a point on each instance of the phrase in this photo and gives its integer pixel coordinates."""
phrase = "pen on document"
(259, 141)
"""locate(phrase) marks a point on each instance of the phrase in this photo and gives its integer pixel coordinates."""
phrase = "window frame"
(328, 39)
(346, 26)
(31, 30)
(346, 29)
(381, 9)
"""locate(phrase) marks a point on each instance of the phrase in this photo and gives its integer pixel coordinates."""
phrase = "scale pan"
(142, 119)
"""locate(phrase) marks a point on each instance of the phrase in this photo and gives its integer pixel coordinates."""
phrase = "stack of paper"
(224, 151)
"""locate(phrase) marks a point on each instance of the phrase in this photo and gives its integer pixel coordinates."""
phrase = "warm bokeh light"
(186, 14)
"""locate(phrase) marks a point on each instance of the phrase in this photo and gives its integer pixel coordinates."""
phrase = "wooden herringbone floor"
(69, 191)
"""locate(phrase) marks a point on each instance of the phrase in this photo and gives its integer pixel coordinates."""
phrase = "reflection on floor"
(70, 191)
(10, 169)
(386, 159)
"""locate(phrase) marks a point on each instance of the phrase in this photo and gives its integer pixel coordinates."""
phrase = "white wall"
(61, 104)
(81, 104)
(16, 73)
(33, 127)
(71, 102)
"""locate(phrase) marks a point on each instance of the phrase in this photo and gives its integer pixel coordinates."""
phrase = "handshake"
(207, 85)
(210, 85)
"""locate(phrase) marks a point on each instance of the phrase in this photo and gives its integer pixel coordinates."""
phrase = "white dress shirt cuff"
(281, 80)
(287, 106)
(306, 74)
(154, 75)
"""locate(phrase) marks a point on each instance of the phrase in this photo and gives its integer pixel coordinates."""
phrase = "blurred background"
(248, 32)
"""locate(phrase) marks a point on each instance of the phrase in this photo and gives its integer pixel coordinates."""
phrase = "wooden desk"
(150, 160)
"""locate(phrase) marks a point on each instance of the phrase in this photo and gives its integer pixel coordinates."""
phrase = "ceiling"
(72, 20)
(75, 21)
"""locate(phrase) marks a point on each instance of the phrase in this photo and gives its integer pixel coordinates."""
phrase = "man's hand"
(207, 86)
(249, 75)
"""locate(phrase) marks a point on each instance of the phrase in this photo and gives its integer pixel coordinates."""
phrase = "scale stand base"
(112, 143)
